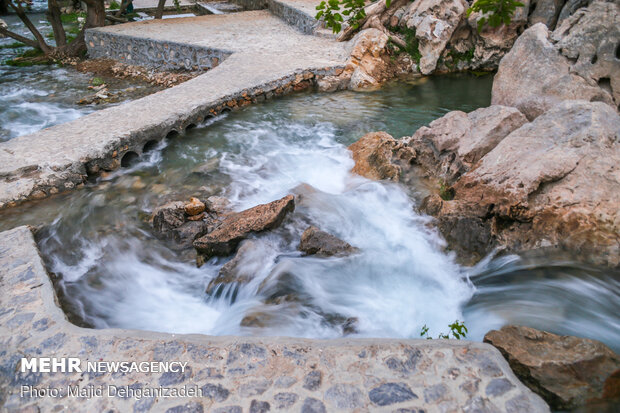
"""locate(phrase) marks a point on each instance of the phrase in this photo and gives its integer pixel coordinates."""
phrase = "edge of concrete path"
(238, 374)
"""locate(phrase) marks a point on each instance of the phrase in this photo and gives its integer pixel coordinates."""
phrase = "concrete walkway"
(254, 55)
(234, 374)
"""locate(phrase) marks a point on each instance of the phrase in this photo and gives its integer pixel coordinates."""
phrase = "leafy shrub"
(330, 11)
(495, 12)
(457, 330)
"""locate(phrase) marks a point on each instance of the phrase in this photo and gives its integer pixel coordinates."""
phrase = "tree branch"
(24, 18)
(24, 40)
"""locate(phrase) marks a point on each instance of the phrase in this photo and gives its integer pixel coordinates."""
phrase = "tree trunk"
(122, 8)
(53, 16)
(160, 9)
(4, 6)
(95, 13)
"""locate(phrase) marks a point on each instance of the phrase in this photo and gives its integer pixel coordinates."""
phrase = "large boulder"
(535, 76)
(321, 243)
(236, 227)
(378, 155)
(452, 144)
(591, 38)
(547, 184)
(434, 22)
(566, 371)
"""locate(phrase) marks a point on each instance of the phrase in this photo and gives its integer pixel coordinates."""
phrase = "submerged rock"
(235, 227)
(566, 371)
(241, 269)
(378, 155)
(535, 76)
(317, 242)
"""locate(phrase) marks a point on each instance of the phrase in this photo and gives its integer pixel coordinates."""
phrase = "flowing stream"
(113, 272)
(39, 96)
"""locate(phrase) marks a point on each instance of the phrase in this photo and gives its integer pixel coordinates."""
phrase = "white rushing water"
(399, 281)
(116, 273)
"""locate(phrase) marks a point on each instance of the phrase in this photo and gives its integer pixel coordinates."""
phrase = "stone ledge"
(238, 374)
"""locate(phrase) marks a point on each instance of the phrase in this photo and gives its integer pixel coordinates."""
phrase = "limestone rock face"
(452, 144)
(592, 37)
(317, 242)
(369, 63)
(434, 22)
(546, 12)
(235, 227)
(482, 50)
(378, 155)
(549, 183)
(535, 77)
(566, 371)
(366, 62)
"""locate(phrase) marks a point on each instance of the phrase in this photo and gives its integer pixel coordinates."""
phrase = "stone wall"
(165, 55)
(235, 374)
(295, 17)
(251, 4)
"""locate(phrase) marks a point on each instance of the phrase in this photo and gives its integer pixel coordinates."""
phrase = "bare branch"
(24, 18)
(24, 40)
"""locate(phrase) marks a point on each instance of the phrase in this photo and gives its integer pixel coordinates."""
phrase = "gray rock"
(193, 407)
(391, 393)
(312, 405)
(313, 380)
(241, 269)
(497, 387)
(215, 391)
(345, 396)
(285, 400)
(257, 406)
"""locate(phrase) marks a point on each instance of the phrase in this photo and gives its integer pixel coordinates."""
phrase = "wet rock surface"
(568, 372)
(240, 269)
(378, 155)
(235, 227)
(237, 374)
(321, 243)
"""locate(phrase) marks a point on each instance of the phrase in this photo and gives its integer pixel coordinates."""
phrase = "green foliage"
(330, 11)
(177, 5)
(457, 331)
(446, 192)
(495, 12)
(114, 5)
(97, 81)
(71, 17)
(29, 57)
(453, 58)
(411, 41)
